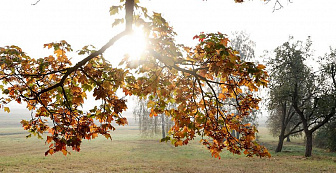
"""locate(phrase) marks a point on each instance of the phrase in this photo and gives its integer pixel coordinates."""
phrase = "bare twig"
(36, 2)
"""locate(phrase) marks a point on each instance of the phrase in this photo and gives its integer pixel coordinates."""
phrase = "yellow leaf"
(114, 10)
(224, 90)
(150, 104)
(190, 59)
(59, 52)
(6, 109)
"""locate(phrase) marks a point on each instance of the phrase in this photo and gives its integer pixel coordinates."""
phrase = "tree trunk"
(167, 125)
(309, 144)
(288, 139)
(283, 128)
(163, 126)
(155, 125)
(140, 122)
(281, 139)
(280, 144)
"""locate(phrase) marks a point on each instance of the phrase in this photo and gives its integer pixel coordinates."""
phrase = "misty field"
(129, 152)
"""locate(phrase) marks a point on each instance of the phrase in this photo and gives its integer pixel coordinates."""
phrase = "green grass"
(128, 152)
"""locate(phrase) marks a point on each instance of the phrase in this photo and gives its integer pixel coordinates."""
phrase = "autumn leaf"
(114, 10)
(94, 135)
(224, 41)
(6, 109)
(178, 143)
(221, 96)
(117, 22)
(65, 152)
(49, 139)
(260, 66)
(153, 113)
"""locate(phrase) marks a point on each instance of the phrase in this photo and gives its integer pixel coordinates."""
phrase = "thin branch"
(36, 2)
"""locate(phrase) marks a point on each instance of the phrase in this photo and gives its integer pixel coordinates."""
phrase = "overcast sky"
(83, 22)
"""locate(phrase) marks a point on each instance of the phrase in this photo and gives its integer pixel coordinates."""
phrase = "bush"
(325, 137)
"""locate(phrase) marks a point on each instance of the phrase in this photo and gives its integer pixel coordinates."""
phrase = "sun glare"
(132, 45)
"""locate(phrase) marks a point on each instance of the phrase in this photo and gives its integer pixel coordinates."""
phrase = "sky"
(84, 22)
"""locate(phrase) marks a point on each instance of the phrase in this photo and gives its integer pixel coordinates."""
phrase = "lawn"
(128, 152)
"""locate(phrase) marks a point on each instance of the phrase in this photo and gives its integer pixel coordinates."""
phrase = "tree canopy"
(54, 89)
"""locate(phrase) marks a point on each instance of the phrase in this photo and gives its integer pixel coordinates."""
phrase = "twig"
(36, 2)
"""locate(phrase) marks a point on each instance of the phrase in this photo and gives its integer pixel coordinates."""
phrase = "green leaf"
(172, 100)
(28, 136)
(166, 139)
(173, 141)
(6, 91)
(87, 87)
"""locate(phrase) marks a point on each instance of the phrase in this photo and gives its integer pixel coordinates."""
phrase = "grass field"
(128, 152)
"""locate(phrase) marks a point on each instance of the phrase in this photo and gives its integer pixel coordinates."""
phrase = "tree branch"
(129, 6)
(36, 2)
(84, 61)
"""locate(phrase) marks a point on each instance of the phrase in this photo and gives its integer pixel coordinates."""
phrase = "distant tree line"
(150, 126)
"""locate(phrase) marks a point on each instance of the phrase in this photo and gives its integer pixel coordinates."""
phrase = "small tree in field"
(55, 89)
(311, 95)
(283, 121)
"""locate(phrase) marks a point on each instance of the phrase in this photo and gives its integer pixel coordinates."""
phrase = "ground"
(128, 152)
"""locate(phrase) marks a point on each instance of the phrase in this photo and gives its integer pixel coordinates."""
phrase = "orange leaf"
(221, 96)
(153, 113)
(94, 135)
(246, 152)
(64, 152)
(49, 139)
(178, 143)
(260, 66)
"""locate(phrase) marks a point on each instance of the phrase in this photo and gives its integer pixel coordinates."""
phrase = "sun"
(132, 45)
